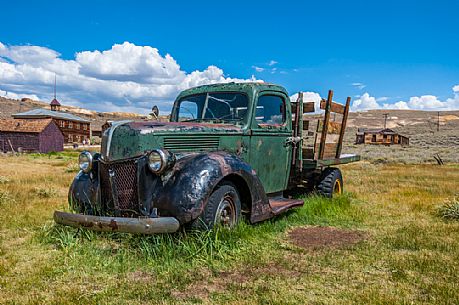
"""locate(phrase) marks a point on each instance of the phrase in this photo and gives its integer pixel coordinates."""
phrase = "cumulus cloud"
(399, 106)
(365, 102)
(309, 97)
(126, 76)
(16, 96)
(423, 102)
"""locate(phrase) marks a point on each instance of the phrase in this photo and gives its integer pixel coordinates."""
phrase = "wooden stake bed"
(321, 138)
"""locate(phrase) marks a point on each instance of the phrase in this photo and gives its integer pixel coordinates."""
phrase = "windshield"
(213, 107)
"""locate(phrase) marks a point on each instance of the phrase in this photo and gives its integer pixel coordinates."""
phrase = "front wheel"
(331, 183)
(223, 209)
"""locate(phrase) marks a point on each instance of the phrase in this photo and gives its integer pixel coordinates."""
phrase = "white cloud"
(399, 106)
(258, 69)
(365, 102)
(423, 102)
(15, 96)
(360, 86)
(309, 97)
(272, 62)
(101, 80)
(382, 99)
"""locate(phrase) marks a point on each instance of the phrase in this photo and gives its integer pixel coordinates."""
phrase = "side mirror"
(155, 112)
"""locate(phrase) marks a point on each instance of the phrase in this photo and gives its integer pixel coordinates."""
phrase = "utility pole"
(385, 119)
(438, 121)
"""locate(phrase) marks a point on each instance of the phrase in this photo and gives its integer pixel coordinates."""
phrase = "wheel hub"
(226, 212)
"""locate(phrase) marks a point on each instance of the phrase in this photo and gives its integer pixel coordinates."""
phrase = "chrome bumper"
(118, 224)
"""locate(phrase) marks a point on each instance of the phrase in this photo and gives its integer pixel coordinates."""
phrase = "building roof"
(55, 102)
(24, 125)
(45, 113)
(383, 131)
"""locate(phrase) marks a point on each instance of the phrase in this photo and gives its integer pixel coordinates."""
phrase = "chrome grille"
(124, 178)
(195, 143)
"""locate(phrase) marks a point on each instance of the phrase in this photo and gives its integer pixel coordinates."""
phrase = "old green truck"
(228, 150)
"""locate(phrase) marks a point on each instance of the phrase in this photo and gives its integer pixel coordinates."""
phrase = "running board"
(280, 205)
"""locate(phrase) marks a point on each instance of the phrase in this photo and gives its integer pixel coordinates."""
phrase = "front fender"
(186, 188)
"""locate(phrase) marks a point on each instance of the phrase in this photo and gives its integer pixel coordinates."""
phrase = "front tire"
(331, 183)
(223, 209)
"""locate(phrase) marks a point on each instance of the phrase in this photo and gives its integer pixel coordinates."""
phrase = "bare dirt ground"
(316, 238)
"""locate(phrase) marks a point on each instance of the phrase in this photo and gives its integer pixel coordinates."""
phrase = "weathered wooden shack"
(381, 136)
(27, 135)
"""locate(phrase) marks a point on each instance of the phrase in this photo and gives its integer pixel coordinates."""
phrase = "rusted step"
(280, 204)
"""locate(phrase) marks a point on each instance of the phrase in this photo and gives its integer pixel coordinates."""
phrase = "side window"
(270, 110)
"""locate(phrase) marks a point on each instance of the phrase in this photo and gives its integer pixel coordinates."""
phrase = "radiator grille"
(125, 182)
(195, 143)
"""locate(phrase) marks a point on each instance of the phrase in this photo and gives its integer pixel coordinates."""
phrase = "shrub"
(72, 168)
(4, 180)
(5, 197)
(450, 209)
(45, 192)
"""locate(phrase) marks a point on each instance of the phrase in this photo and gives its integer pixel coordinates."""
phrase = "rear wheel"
(331, 183)
(223, 209)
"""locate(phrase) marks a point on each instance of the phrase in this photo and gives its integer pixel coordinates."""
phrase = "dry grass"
(410, 254)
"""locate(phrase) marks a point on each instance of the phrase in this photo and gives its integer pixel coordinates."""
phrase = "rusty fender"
(118, 224)
(185, 189)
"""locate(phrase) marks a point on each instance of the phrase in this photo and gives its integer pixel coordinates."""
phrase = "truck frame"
(228, 150)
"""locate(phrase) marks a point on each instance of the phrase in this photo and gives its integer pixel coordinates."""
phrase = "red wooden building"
(74, 128)
(26, 135)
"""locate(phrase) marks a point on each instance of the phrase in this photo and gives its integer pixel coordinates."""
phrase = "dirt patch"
(221, 281)
(315, 238)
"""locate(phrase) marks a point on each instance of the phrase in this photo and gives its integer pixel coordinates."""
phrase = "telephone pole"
(385, 119)
(438, 121)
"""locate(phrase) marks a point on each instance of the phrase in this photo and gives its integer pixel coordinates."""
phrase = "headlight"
(85, 161)
(159, 160)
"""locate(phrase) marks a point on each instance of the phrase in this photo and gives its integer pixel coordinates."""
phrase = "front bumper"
(118, 224)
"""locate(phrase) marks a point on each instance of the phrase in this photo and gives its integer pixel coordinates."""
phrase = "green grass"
(410, 255)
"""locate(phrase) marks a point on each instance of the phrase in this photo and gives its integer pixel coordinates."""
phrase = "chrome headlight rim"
(167, 160)
(88, 168)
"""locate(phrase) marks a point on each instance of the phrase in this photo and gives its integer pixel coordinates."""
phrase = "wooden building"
(382, 136)
(30, 135)
(74, 128)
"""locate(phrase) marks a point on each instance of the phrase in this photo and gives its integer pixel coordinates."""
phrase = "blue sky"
(392, 50)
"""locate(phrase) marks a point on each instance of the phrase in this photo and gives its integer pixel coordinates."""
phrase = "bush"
(45, 192)
(450, 209)
(4, 180)
(5, 198)
(72, 168)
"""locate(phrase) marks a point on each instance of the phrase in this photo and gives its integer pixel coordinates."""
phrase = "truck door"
(269, 155)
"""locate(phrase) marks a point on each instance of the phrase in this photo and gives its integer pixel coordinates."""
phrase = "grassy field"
(408, 255)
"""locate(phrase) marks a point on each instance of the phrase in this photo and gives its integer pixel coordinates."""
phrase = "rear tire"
(223, 209)
(331, 183)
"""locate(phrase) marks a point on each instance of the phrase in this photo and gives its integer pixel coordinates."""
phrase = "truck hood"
(149, 127)
(128, 139)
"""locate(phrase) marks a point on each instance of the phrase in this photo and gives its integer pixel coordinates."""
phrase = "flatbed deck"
(343, 159)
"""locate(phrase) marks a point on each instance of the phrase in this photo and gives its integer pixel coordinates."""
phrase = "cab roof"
(233, 86)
